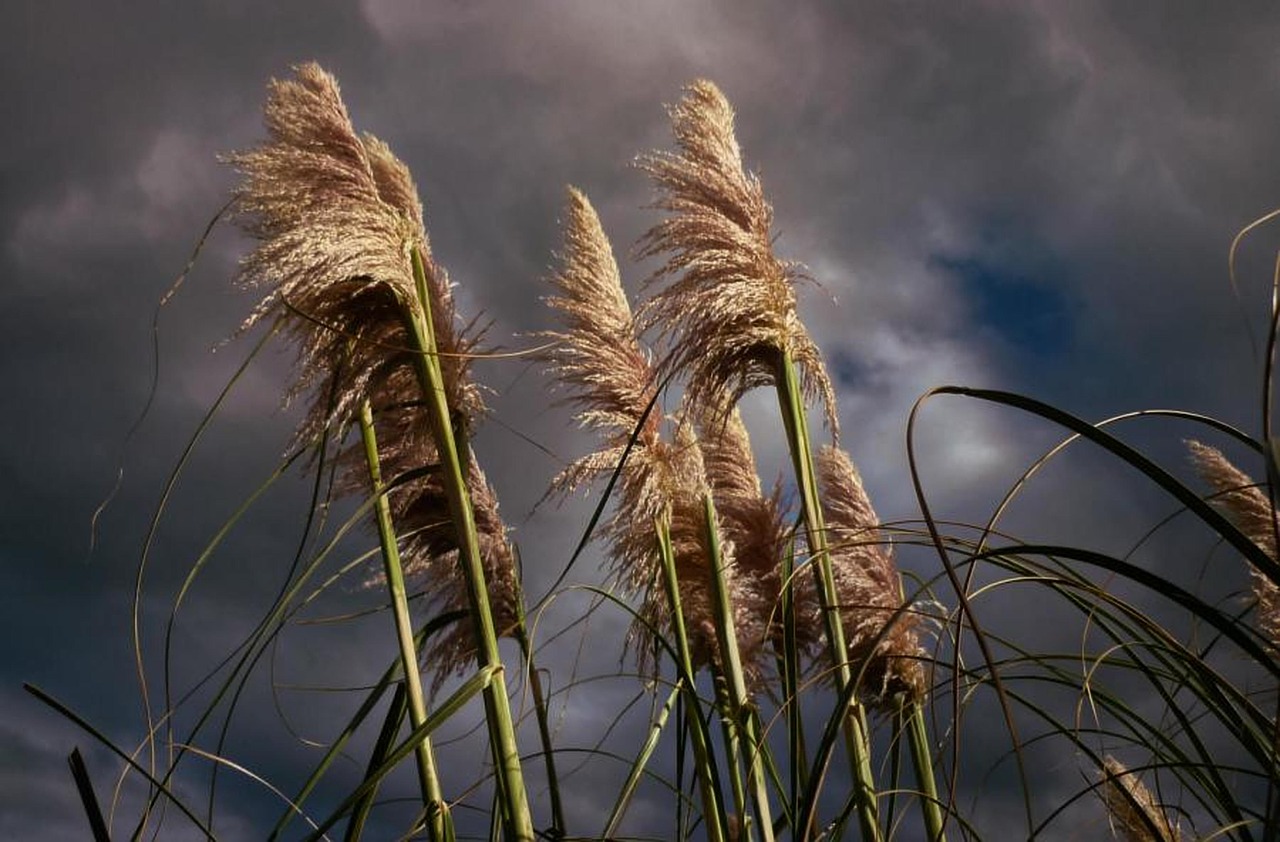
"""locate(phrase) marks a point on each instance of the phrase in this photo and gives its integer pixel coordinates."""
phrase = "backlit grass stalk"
(506, 755)
(342, 249)
(541, 712)
(642, 761)
(911, 717)
(656, 532)
(439, 821)
(712, 800)
(743, 724)
(880, 630)
(856, 734)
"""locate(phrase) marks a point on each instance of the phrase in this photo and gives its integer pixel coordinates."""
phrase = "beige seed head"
(1134, 813)
(337, 218)
(612, 382)
(1249, 508)
(868, 585)
(729, 312)
(598, 355)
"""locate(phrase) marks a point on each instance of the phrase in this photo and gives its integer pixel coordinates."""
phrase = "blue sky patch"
(1029, 311)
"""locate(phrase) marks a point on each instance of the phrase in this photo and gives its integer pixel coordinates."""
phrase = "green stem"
(712, 804)
(432, 795)
(642, 761)
(544, 725)
(735, 683)
(733, 756)
(506, 755)
(789, 669)
(857, 739)
(911, 713)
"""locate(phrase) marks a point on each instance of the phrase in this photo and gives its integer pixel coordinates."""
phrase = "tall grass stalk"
(542, 714)
(911, 717)
(739, 704)
(439, 822)
(856, 736)
(506, 755)
(713, 813)
(789, 669)
(642, 761)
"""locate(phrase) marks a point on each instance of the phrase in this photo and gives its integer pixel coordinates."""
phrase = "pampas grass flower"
(868, 585)
(1245, 504)
(614, 385)
(343, 255)
(1133, 811)
(336, 217)
(756, 524)
(730, 309)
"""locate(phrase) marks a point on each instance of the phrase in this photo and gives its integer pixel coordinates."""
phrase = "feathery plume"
(598, 355)
(1134, 814)
(756, 524)
(1246, 505)
(613, 381)
(337, 218)
(428, 536)
(730, 312)
(868, 585)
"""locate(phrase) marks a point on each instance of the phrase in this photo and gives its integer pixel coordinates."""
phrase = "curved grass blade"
(133, 764)
(445, 711)
(84, 785)
(386, 737)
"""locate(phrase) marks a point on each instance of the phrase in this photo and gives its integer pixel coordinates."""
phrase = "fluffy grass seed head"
(756, 524)
(729, 313)
(337, 219)
(598, 355)
(1134, 814)
(612, 383)
(868, 586)
(1249, 508)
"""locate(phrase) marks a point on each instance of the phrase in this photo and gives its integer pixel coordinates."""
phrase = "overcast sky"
(1036, 197)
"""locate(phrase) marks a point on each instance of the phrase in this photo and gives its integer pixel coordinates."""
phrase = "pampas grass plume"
(730, 309)
(868, 585)
(337, 219)
(1246, 505)
(1135, 816)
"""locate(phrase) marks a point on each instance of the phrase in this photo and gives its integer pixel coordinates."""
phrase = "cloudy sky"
(1037, 197)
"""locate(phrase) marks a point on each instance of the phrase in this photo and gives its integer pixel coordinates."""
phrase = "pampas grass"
(1134, 813)
(344, 255)
(730, 309)
(881, 635)
(755, 606)
(1250, 509)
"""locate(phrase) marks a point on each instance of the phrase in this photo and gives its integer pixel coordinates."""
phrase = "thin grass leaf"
(88, 799)
(84, 725)
(641, 762)
(443, 712)
(386, 738)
